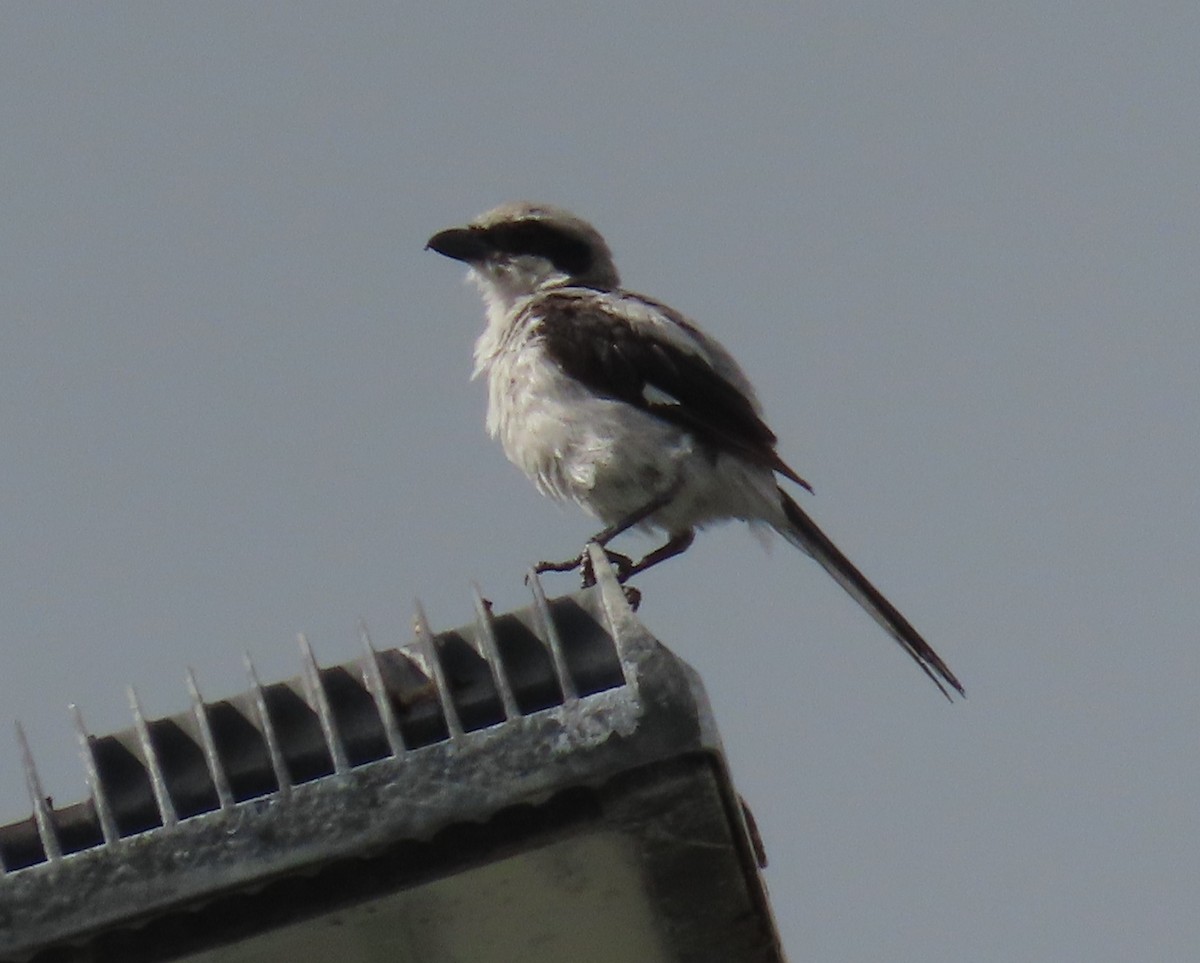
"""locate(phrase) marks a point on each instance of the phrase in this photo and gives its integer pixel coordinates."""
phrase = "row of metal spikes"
(423, 650)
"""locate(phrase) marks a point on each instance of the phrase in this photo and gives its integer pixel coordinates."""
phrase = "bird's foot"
(622, 563)
(541, 568)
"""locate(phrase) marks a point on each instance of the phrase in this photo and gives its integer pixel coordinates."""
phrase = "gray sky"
(956, 246)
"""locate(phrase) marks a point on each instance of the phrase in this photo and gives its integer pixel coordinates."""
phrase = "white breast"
(609, 457)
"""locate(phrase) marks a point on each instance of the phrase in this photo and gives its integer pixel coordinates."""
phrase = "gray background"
(954, 244)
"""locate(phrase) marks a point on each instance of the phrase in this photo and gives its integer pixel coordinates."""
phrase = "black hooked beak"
(461, 243)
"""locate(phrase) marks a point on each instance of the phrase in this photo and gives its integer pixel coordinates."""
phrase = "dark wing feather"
(618, 360)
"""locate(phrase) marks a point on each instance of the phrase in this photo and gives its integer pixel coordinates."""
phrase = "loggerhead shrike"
(619, 403)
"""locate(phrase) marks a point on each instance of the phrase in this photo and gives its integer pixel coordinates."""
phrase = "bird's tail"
(803, 532)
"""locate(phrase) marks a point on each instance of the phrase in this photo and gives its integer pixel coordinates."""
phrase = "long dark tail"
(804, 534)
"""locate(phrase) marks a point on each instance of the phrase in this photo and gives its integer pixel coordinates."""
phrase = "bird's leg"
(623, 564)
(676, 545)
(635, 518)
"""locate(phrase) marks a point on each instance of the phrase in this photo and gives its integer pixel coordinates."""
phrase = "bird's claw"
(623, 565)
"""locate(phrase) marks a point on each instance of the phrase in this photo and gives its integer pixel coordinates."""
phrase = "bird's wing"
(630, 351)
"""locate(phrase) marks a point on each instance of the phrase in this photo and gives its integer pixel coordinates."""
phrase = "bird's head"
(516, 250)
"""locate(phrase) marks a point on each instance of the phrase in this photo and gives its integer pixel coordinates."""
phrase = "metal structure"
(542, 785)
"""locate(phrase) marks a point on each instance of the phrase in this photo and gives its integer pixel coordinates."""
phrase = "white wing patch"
(656, 396)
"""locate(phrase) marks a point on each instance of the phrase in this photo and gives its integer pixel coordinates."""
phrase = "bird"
(619, 403)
